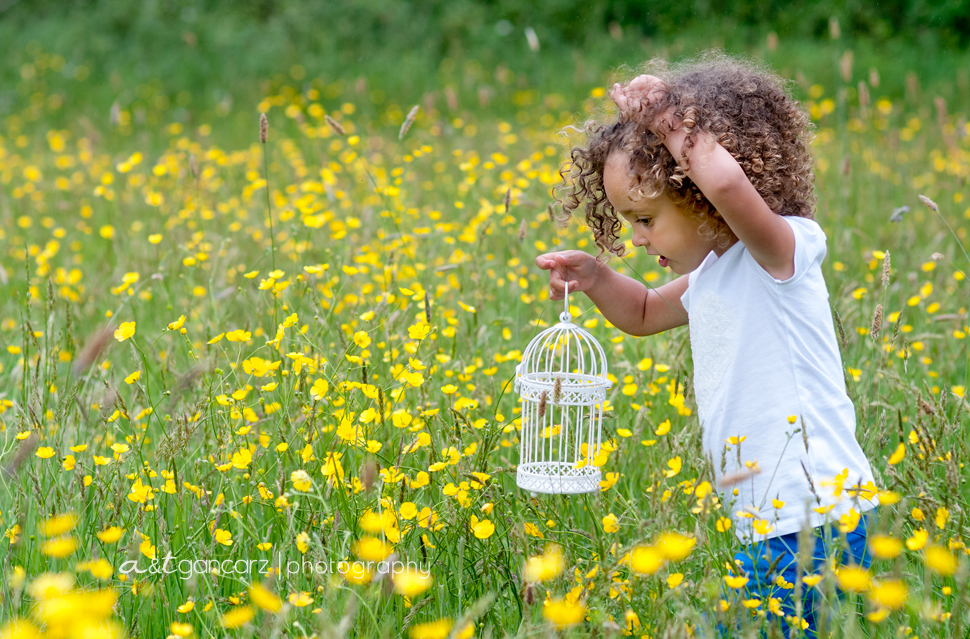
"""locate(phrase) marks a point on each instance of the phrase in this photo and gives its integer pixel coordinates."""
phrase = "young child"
(710, 166)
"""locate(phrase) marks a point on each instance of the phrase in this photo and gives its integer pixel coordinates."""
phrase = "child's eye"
(644, 220)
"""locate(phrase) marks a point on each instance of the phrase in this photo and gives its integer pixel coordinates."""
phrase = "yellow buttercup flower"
(898, 455)
(853, 578)
(111, 534)
(610, 524)
(124, 331)
(50, 585)
(878, 615)
(238, 335)
(482, 529)
(735, 581)
(411, 583)
(940, 560)
(300, 599)
(371, 549)
(303, 542)
(99, 568)
(646, 560)
(431, 630)
(674, 546)
(891, 593)
(301, 480)
(563, 613)
(223, 537)
(237, 617)
(58, 525)
(59, 547)
(355, 572)
(544, 567)
(885, 547)
(918, 540)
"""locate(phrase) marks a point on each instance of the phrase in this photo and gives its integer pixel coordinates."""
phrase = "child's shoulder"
(805, 229)
(810, 245)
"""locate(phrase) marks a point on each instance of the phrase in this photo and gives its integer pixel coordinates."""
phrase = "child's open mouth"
(662, 261)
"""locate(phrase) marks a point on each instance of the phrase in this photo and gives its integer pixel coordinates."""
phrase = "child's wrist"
(601, 274)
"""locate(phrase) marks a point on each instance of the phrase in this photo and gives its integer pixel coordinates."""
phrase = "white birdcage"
(562, 383)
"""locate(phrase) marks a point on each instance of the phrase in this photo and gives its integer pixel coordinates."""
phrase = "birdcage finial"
(565, 317)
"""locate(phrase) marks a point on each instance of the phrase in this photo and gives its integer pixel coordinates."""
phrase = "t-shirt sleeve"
(809, 248)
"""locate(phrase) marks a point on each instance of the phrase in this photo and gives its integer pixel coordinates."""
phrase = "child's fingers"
(619, 96)
(616, 93)
(557, 285)
(563, 266)
(546, 261)
(642, 82)
(645, 90)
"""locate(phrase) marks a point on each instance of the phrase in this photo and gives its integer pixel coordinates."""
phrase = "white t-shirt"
(764, 350)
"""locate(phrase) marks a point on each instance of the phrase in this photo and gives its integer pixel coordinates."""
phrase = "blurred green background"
(214, 58)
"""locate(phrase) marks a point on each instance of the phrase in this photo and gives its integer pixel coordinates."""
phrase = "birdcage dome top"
(564, 354)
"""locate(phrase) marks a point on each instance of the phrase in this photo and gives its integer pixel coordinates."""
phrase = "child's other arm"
(718, 175)
(721, 179)
(626, 303)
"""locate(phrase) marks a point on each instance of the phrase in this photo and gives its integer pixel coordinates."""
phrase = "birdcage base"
(558, 478)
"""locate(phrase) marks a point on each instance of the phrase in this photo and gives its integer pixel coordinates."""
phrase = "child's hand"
(639, 99)
(580, 269)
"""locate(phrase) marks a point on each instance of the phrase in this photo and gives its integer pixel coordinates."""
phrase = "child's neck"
(721, 251)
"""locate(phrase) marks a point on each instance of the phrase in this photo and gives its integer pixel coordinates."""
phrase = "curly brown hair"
(748, 110)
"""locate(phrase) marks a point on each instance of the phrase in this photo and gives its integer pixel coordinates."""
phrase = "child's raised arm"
(718, 175)
(626, 303)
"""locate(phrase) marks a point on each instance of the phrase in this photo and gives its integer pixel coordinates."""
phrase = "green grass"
(414, 232)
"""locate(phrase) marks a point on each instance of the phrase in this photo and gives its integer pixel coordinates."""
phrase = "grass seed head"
(408, 121)
(930, 204)
(98, 341)
(863, 94)
(733, 479)
(886, 270)
(528, 594)
(368, 472)
(336, 126)
(876, 323)
(263, 127)
(26, 449)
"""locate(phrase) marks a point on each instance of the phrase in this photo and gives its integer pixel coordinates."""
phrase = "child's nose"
(640, 238)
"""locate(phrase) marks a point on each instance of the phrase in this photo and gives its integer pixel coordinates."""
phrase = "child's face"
(658, 225)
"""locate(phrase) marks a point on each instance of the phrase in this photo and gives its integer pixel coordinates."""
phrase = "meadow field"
(258, 382)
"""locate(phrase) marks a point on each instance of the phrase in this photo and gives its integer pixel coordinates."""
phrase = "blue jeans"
(764, 562)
